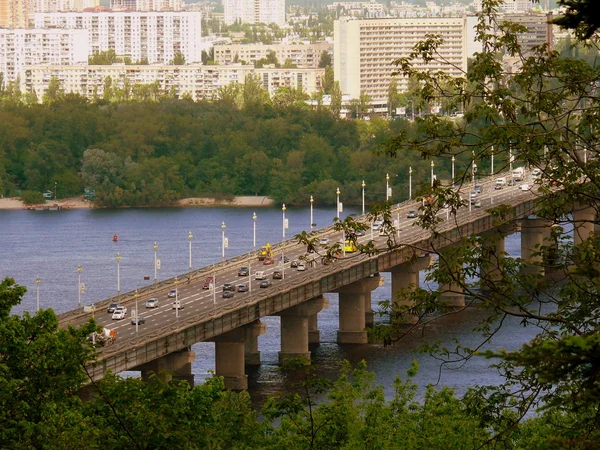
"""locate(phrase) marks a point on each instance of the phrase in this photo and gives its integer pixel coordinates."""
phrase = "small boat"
(115, 238)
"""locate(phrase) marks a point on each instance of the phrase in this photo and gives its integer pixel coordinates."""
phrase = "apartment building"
(14, 13)
(198, 81)
(366, 49)
(153, 36)
(302, 55)
(539, 31)
(254, 11)
(146, 5)
(356, 8)
(20, 48)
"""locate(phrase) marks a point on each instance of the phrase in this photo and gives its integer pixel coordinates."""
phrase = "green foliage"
(32, 197)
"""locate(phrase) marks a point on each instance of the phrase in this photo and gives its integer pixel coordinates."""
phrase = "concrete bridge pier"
(583, 223)
(451, 293)
(406, 277)
(176, 365)
(294, 328)
(229, 358)
(533, 232)
(352, 310)
(493, 254)
(251, 352)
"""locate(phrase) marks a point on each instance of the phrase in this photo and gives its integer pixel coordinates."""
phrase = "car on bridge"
(260, 275)
(323, 241)
(177, 305)
(172, 293)
(377, 224)
(294, 264)
(278, 275)
(242, 288)
(112, 307)
(140, 320)
(268, 261)
(227, 293)
(243, 272)
(411, 214)
(229, 287)
(119, 313)
(284, 259)
(152, 303)
(266, 283)
(301, 267)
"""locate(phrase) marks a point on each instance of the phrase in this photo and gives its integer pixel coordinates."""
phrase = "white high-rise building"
(254, 11)
(365, 50)
(152, 36)
(20, 48)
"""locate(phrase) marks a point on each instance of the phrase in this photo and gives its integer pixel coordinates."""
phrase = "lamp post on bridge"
(254, 230)
(337, 203)
(223, 240)
(79, 269)
(387, 187)
(118, 258)
(190, 237)
(453, 159)
(311, 212)
(432, 176)
(137, 313)
(410, 182)
(363, 196)
(37, 285)
(155, 262)
(282, 246)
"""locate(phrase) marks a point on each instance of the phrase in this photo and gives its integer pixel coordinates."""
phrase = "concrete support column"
(176, 365)
(451, 293)
(229, 358)
(405, 277)
(294, 328)
(251, 352)
(314, 335)
(583, 223)
(533, 232)
(493, 252)
(352, 310)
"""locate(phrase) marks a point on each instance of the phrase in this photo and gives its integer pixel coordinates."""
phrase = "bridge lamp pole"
(79, 269)
(118, 258)
(387, 187)
(492, 160)
(176, 299)
(155, 262)
(37, 285)
(254, 217)
(283, 208)
(453, 160)
(282, 251)
(337, 203)
(223, 239)
(410, 183)
(311, 212)
(363, 196)
(190, 237)
(432, 166)
(137, 313)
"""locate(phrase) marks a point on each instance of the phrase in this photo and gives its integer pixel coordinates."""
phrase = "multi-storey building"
(510, 6)
(200, 82)
(146, 5)
(14, 13)
(302, 55)
(152, 36)
(20, 48)
(356, 8)
(366, 49)
(254, 11)
(36, 6)
(539, 31)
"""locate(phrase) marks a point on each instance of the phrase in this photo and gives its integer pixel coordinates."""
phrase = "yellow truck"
(349, 247)
(265, 252)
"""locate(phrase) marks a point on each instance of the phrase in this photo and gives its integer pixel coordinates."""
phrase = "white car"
(536, 173)
(377, 224)
(525, 187)
(323, 241)
(260, 275)
(177, 305)
(119, 313)
(152, 303)
(301, 267)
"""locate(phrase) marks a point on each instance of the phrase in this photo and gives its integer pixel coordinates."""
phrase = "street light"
(137, 313)
(223, 239)
(190, 237)
(492, 160)
(155, 262)
(432, 176)
(410, 183)
(79, 269)
(453, 159)
(311, 212)
(387, 187)
(283, 222)
(473, 168)
(363, 196)
(37, 282)
(118, 258)
(176, 299)
(254, 232)
(337, 205)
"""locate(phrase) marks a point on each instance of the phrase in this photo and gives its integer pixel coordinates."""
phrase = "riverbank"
(80, 203)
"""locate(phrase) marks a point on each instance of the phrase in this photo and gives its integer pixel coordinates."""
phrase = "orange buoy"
(115, 238)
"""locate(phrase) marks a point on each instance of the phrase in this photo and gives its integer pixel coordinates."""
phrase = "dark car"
(112, 307)
(285, 259)
(229, 287)
(294, 264)
(242, 288)
(268, 261)
(140, 320)
(243, 272)
(277, 275)
(266, 283)
(228, 294)
(172, 293)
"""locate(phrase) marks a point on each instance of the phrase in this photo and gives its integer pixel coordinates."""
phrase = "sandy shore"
(79, 203)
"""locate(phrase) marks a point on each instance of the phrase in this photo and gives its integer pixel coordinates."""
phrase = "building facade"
(254, 11)
(366, 49)
(21, 48)
(197, 81)
(152, 36)
(14, 13)
(302, 55)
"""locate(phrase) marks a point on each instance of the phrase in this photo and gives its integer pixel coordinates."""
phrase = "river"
(52, 244)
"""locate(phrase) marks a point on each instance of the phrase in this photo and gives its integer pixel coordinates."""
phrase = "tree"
(325, 60)
(336, 99)
(178, 59)
(546, 115)
(393, 97)
(328, 80)
(32, 197)
(103, 58)
(54, 91)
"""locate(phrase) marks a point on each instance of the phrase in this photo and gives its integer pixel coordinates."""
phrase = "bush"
(32, 197)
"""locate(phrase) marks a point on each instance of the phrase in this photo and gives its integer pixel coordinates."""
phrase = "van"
(501, 181)
(260, 275)
(518, 174)
(478, 188)
(536, 173)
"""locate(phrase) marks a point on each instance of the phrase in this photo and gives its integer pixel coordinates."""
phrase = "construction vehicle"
(265, 252)
(103, 338)
(349, 247)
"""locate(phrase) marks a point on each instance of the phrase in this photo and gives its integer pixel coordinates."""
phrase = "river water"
(50, 245)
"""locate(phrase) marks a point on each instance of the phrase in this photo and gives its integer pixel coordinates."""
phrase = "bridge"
(162, 345)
